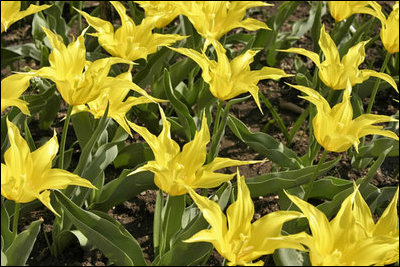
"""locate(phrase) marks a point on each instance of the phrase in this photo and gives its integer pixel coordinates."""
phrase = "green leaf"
(6, 235)
(291, 257)
(106, 234)
(133, 155)
(123, 188)
(274, 182)
(265, 144)
(180, 108)
(20, 249)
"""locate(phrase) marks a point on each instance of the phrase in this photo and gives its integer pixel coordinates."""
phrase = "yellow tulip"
(335, 128)
(212, 19)
(27, 175)
(341, 10)
(335, 72)
(351, 238)
(114, 92)
(11, 89)
(390, 29)
(162, 11)
(10, 12)
(234, 236)
(230, 79)
(175, 170)
(129, 41)
(79, 81)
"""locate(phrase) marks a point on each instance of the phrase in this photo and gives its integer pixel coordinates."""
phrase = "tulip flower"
(11, 89)
(114, 92)
(27, 175)
(129, 41)
(335, 72)
(390, 29)
(10, 12)
(341, 10)
(230, 79)
(351, 238)
(213, 19)
(79, 81)
(234, 236)
(335, 129)
(162, 11)
(175, 170)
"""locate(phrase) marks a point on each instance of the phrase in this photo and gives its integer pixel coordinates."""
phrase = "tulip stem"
(311, 182)
(377, 82)
(15, 219)
(64, 137)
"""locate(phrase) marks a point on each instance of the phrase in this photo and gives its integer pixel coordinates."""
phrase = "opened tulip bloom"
(334, 72)
(163, 12)
(175, 170)
(234, 236)
(213, 19)
(27, 175)
(11, 12)
(79, 81)
(114, 92)
(230, 79)
(335, 129)
(351, 238)
(341, 10)
(11, 89)
(130, 41)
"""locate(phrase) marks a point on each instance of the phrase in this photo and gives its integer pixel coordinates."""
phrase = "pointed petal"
(355, 56)
(194, 153)
(251, 24)
(387, 224)
(44, 197)
(301, 51)
(368, 73)
(59, 179)
(240, 213)
(17, 154)
(328, 47)
(100, 25)
(319, 224)
(219, 163)
(21, 104)
(44, 155)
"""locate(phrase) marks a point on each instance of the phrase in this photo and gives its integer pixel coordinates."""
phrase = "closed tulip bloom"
(390, 29)
(130, 41)
(162, 11)
(334, 72)
(27, 175)
(114, 92)
(79, 81)
(213, 19)
(11, 89)
(351, 238)
(234, 236)
(175, 169)
(335, 129)
(230, 79)
(341, 10)
(10, 12)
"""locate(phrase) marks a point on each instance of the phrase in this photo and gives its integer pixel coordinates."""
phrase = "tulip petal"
(301, 51)
(388, 220)
(319, 224)
(368, 73)
(44, 155)
(328, 47)
(44, 197)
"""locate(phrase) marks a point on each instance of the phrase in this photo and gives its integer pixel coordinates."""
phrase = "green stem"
(15, 219)
(64, 137)
(311, 182)
(376, 85)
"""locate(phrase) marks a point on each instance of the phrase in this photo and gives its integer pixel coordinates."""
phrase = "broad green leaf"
(265, 144)
(106, 234)
(291, 257)
(132, 155)
(20, 249)
(123, 188)
(274, 182)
